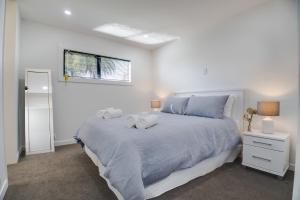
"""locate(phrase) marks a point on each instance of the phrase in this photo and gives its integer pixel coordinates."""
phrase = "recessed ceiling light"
(118, 30)
(153, 38)
(45, 88)
(68, 12)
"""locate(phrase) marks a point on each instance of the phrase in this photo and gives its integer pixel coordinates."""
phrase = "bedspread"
(134, 158)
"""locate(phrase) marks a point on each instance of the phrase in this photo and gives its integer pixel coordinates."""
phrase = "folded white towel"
(131, 120)
(100, 113)
(146, 121)
(114, 113)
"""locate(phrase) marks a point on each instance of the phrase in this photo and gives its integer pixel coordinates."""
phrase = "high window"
(79, 65)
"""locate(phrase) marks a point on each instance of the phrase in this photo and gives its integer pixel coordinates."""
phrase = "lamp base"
(155, 109)
(267, 125)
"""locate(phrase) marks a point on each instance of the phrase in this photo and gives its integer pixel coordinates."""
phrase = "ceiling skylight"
(134, 34)
(153, 38)
(118, 30)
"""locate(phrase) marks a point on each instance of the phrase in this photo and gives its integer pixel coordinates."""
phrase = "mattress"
(177, 178)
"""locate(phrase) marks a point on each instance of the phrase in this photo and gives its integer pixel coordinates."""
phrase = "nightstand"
(266, 152)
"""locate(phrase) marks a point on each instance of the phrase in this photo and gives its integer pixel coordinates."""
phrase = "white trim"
(3, 189)
(292, 167)
(95, 81)
(39, 152)
(3, 170)
(64, 142)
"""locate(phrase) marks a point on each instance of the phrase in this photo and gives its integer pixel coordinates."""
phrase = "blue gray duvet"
(134, 158)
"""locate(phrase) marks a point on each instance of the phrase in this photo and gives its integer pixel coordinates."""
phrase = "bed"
(143, 164)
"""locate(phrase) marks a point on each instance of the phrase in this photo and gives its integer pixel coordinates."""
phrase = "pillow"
(175, 105)
(207, 106)
(228, 106)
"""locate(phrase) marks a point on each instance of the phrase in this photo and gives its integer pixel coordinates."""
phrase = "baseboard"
(292, 167)
(3, 189)
(64, 142)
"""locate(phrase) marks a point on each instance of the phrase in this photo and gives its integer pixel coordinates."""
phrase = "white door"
(38, 112)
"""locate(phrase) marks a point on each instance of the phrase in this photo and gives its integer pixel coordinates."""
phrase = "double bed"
(145, 163)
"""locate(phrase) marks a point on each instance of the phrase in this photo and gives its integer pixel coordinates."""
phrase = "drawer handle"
(261, 158)
(268, 144)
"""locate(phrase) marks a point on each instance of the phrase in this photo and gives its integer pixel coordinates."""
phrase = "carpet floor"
(69, 174)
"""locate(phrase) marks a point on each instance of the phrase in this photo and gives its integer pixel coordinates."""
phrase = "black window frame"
(98, 57)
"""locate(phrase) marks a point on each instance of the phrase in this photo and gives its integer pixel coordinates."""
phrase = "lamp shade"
(155, 104)
(268, 108)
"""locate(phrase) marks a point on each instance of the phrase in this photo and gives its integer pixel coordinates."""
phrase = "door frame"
(3, 166)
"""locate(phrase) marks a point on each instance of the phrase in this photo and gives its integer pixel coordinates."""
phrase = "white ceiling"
(175, 17)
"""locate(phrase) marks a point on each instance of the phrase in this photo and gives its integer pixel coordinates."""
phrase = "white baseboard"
(292, 167)
(3, 189)
(64, 142)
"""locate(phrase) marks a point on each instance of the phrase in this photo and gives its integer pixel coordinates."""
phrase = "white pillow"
(228, 106)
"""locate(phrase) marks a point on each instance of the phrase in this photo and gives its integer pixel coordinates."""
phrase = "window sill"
(96, 81)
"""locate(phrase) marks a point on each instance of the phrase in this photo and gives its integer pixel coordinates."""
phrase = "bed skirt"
(177, 178)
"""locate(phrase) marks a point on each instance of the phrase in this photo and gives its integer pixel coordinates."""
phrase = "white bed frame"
(182, 177)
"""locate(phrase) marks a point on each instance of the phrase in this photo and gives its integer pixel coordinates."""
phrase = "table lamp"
(268, 109)
(155, 105)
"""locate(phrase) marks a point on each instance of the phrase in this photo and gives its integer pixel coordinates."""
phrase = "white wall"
(3, 173)
(256, 50)
(73, 102)
(10, 84)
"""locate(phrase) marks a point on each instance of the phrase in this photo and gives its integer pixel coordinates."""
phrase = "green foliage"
(108, 66)
(85, 65)
(80, 64)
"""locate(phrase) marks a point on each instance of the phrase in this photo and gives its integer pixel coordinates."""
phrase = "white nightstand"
(266, 152)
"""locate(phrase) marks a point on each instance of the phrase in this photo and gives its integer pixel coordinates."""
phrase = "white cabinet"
(38, 111)
(266, 152)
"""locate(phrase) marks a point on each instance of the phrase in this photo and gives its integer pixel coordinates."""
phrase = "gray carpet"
(68, 174)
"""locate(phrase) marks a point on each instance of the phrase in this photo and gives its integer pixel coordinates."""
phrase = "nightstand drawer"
(263, 158)
(265, 143)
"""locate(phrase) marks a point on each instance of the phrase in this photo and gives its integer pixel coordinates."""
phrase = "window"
(80, 65)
